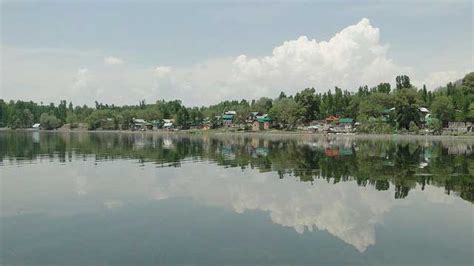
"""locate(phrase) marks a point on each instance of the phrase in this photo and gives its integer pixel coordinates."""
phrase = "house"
(36, 126)
(228, 118)
(425, 115)
(262, 122)
(332, 119)
(343, 125)
(331, 152)
(168, 124)
(252, 116)
(346, 123)
(141, 124)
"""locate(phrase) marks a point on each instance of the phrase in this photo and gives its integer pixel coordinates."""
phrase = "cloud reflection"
(345, 210)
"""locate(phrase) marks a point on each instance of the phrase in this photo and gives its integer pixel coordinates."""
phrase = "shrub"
(49, 121)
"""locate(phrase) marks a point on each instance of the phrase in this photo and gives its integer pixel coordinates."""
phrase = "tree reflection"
(377, 163)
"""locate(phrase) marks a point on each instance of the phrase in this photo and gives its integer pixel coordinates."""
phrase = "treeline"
(380, 109)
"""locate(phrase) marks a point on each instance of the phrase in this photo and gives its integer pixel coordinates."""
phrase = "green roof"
(262, 119)
(346, 120)
(228, 117)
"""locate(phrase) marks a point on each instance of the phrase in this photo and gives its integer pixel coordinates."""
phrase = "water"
(149, 199)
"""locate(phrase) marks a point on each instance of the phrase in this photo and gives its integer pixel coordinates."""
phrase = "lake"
(158, 199)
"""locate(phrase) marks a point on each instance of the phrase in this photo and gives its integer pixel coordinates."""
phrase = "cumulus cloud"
(345, 210)
(110, 60)
(352, 57)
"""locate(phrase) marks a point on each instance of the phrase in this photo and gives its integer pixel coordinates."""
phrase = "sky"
(203, 52)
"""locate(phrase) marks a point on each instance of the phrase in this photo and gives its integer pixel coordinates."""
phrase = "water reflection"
(399, 164)
(333, 199)
(345, 210)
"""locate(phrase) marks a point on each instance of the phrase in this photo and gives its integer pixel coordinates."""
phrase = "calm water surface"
(144, 199)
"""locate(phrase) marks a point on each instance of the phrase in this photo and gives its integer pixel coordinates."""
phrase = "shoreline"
(269, 133)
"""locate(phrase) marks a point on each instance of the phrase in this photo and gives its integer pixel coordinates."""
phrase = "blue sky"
(53, 46)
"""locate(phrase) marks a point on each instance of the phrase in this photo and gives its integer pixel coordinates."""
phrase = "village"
(333, 124)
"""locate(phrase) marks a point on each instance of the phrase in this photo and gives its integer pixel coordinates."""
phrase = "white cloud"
(345, 210)
(110, 60)
(355, 56)
(441, 78)
(352, 57)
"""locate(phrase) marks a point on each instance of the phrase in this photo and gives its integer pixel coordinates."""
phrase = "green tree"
(435, 125)
(383, 88)
(308, 100)
(413, 128)
(468, 80)
(287, 112)
(403, 82)
(470, 116)
(424, 94)
(182, 118)
(49, 121)
(443, 109)
(376, 103)
(27, 118)
(61, 111)
(406, 107)
(370, 109)
(282, 95)
(339, 105)
(262, 105)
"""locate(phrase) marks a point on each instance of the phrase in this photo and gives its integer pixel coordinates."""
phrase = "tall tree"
(308, 100)
(407, 108)
(443, 109)
(403, 81)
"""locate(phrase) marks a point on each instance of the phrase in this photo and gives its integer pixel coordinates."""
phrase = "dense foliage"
(454, 102)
